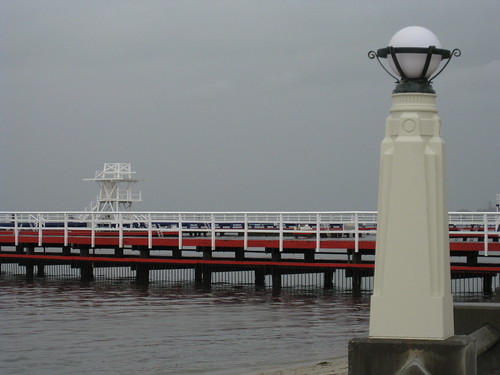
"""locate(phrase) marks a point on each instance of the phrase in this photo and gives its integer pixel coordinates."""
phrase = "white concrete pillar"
(412, 287)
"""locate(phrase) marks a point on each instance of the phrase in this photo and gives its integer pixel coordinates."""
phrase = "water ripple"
(60, 328)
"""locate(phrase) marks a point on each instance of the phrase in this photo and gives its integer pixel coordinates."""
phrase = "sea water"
(114, 327)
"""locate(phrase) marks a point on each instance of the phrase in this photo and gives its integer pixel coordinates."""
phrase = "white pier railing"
(279, 224)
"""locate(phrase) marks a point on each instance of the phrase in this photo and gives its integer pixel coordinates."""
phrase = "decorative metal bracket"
(456, 52)
(372, 55)
(429, 52)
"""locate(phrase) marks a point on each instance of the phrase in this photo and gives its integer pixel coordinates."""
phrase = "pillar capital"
(419, 102)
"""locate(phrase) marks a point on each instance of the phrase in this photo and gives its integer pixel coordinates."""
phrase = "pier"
(270, 245)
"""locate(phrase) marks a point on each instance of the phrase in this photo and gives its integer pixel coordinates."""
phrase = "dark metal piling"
(86, 267)
(30, 250)
(142, 269)
(276, 272)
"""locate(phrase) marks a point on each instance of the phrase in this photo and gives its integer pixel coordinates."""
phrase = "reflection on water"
(55, 327)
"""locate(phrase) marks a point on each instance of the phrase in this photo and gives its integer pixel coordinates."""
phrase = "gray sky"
(232, 105)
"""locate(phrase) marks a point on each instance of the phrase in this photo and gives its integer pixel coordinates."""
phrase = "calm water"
(62, 327)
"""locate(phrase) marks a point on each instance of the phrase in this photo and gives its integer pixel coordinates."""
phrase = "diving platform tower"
(116, 182)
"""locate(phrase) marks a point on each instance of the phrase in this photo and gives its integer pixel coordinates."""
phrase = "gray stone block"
(371, 356)
(470, 317)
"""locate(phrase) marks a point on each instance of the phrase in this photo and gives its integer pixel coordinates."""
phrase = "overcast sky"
(232, 105)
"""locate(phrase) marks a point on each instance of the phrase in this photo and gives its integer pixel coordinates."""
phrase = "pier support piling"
(142, 269)
(203, 273)
(29, 271)
(207, 278)
(472, 259)
(198, 276)
(356, 275)
(207, 270)
(29, 265)
(309, 255)
(40, 271)
(328, 280)
(488, 285)
(239, 254)
(86, 267)
(260, 279)
(66, 251)
(276, 272)
(276, 276)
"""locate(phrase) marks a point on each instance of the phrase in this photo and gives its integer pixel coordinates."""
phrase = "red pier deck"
(291, 242)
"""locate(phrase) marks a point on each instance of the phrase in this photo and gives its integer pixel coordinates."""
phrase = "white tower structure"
(115, 182)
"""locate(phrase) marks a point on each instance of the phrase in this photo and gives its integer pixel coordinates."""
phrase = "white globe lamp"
(414, 55)
(412, 64)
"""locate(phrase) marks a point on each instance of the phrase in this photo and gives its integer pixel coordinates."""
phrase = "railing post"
(356, 232)
(65, 229)
(318, 232)
(16, 230)
(39, 220)
(245, 232)
(212, 224)
(93, 229)
(281, 231)
(179, 227)
(120, 230)
(150, 232)
(485, 223)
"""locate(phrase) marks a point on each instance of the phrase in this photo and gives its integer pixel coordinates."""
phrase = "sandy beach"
(336, 366)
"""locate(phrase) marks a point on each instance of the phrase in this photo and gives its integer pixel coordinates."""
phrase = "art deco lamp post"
(411, 307)
(412, 291)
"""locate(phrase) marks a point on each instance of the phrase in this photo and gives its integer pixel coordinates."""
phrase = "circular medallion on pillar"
(409, 126)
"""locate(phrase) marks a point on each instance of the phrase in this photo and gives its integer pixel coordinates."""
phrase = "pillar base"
(371, 356)
(411, 316)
